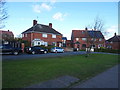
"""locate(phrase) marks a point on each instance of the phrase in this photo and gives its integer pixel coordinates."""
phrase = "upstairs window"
(22, 35)
(25, 35)
(44, 35)
(53, 36)
(84, 39)
(100, 39)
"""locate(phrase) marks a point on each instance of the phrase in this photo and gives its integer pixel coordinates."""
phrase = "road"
(30, 56)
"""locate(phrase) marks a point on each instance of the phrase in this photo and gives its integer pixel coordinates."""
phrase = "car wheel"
(15, 53)
(33, 52)
(45, 52)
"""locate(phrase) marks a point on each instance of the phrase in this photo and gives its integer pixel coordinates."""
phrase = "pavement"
(107, 79)
(60, 82)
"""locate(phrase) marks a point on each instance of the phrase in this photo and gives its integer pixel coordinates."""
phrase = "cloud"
(38, 8)
(59, 16)
(46, 7)
(111, 30)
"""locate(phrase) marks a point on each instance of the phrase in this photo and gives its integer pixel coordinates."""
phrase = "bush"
(107, 50)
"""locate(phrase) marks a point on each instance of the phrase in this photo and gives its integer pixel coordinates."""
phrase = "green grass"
(22, 73)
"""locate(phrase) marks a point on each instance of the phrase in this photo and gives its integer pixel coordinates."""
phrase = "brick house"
(40, 34)
(87, 38)
(6, 36)
(113, 42)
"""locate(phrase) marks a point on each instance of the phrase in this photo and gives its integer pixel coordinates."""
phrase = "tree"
(3, 13)
(98, 25)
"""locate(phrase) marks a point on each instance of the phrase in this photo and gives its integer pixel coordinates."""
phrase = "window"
(83, 32)
(44, 35)
(77, 39)
(84, 39)
(22, 35)
(100, 39)
(25, 35)
(53, 36)
(111, 42)
(84, 45)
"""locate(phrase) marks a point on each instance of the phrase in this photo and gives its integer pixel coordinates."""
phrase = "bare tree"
(3, 13)
(98, 25)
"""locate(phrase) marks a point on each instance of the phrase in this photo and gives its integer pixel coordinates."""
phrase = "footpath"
(107, 79)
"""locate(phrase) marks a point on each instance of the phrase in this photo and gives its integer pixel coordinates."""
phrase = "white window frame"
(44, 35)
(100, 39)
(53, 36)
(84, 39)
(23, 35)
(77, 39)
(26, 35)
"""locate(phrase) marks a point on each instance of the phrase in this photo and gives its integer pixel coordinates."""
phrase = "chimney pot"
(50, 25)
(86, 28)
(34, 22)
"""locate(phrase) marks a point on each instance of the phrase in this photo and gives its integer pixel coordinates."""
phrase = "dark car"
(36, 50)
(8, 49)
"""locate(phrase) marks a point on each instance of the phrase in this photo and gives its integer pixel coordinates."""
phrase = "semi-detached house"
(87, 38)
(40, 34)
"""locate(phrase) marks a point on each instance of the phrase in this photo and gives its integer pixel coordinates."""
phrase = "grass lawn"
(22, 73)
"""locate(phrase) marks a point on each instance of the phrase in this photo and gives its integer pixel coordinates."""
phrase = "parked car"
(8, 49)
(75, 49)
(36, 50)
(57, 49)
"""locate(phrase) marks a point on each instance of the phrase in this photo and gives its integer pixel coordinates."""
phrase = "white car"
(57, 49)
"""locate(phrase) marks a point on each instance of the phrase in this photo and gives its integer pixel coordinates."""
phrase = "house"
(40, 34)
(87, 38)
(6, 36)
(113, 42)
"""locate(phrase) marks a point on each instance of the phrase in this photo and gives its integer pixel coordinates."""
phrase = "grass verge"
(18, 74)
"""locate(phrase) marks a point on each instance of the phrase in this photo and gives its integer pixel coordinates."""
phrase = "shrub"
(107, 50)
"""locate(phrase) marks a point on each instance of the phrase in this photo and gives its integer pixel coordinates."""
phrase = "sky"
(64, 16)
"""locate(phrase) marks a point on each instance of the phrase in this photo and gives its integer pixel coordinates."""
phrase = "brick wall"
(49, 39)
(96, 43)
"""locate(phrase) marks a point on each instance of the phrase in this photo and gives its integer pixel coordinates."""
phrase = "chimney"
(115, 34)
(34, 22)
(50, 25)
(86, 28)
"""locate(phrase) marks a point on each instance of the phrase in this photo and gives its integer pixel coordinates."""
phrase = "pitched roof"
(96, 34)
(6, 32)
(79, 33)
(87, 33)
(115, 38)
(42, 28)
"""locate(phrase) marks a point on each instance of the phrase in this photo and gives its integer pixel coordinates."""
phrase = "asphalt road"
(30, 56)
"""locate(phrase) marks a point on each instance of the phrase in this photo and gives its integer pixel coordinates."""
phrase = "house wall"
(114, 45)
(49, 39)
(96, 43)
